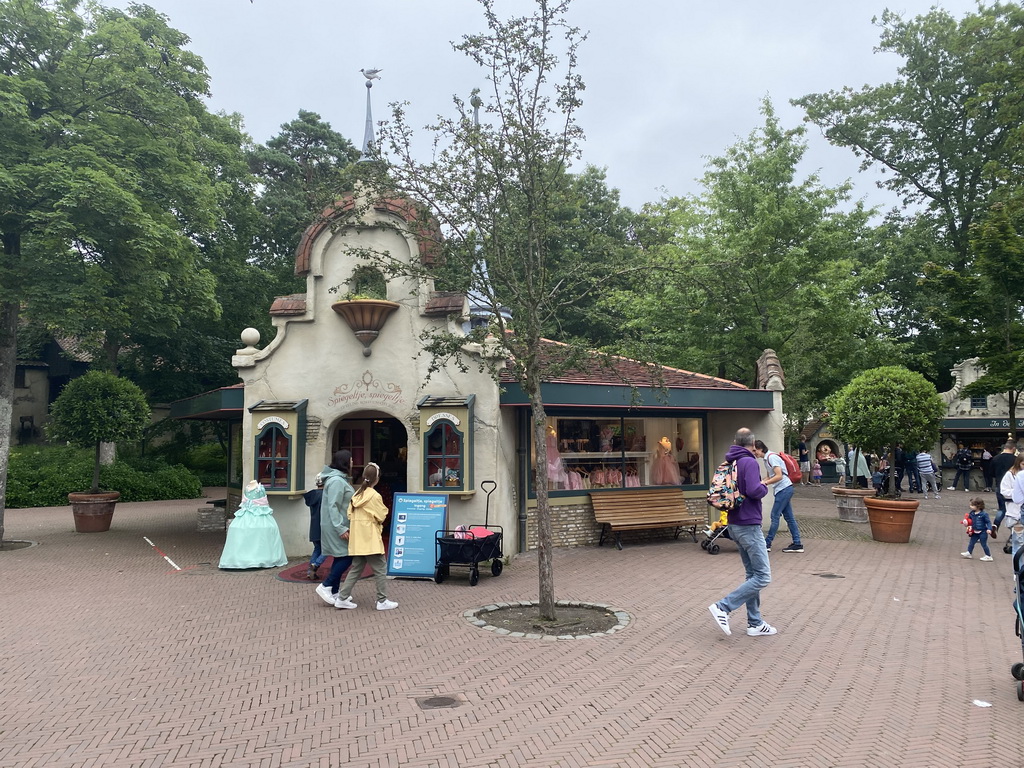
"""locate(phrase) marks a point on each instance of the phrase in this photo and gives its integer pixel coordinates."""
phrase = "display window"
(273, 458)
(618, 452)
(445, 464)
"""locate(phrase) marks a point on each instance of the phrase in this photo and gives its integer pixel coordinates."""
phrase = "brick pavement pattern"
(110, 657)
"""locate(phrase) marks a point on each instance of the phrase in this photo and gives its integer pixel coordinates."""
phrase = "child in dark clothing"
(978, 527)
(313, 498)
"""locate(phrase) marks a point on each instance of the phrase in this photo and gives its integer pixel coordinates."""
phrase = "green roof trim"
(982, 423)
(599, 395)
(224, 404)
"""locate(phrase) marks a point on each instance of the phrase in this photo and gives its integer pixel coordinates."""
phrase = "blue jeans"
(338, 567)
(783, 507)
(750, 541)
(317, 558)
(966, 473)
(979, 537)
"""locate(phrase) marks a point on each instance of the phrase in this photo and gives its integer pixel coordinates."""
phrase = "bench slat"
(644, 509)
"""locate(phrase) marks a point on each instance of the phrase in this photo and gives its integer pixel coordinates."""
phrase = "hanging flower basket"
(366, 318)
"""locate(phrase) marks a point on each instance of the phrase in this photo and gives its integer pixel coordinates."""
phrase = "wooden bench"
(637, 510)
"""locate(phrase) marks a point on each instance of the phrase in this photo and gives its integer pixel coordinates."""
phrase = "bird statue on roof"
(371, 74)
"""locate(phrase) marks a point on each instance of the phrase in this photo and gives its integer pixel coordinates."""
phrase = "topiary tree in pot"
(93, 409)
(878, 409)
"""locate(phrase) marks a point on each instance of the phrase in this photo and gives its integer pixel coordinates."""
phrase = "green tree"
(498, 190)
(761, 259)
(300, 174)
(108, 181)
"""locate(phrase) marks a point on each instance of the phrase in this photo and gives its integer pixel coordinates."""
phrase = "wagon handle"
(488, 487)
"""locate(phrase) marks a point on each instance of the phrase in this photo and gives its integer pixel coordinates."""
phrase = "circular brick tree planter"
(486, 618)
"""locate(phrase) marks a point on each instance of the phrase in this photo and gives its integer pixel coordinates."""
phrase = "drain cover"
(830, 575)
(438, 702)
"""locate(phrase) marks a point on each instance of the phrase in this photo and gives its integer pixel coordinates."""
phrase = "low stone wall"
(573, 525)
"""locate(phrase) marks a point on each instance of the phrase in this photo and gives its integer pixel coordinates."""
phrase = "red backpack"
(792, 467)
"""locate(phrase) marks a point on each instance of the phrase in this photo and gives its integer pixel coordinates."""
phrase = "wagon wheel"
(496, 567)
(1017, 670)
(474, 576)
(439, 574)
(714, 549)
(1020, 690)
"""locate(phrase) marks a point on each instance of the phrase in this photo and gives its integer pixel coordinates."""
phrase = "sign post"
(417, 517)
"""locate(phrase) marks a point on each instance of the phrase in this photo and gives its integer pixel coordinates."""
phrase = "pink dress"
(556, 469)
(664, 470)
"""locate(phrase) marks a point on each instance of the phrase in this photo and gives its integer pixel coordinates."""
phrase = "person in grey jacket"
(334, 523)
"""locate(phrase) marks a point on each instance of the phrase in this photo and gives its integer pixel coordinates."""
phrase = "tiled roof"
(294, 304)
(441, 303)
(72, 348)
(612, 370)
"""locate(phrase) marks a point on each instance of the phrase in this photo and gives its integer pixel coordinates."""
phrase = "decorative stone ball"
(250, 337)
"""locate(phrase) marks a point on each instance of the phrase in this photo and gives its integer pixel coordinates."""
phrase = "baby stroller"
(1017, 670)
(714, 532)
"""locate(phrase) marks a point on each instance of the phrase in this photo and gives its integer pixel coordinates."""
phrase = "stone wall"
(573, 525)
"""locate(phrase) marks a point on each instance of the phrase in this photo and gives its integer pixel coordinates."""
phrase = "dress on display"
(664, 470)
(556, 468)
(253, 540)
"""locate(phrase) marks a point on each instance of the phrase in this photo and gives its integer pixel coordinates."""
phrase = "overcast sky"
(669, 82)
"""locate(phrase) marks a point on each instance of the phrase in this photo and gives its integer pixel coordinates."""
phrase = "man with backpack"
(745, 531)
(964, 465)
(782, 485)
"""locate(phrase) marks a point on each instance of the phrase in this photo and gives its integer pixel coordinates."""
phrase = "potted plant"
(91, 410)
(364, 306)
(880, 408)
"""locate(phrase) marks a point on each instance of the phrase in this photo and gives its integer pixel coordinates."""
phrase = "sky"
(669, 83)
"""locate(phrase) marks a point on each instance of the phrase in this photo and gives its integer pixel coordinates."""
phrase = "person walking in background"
(859, 471)
(313, 498)
(816, 473)
(978, 528)
(964, 464)
(334, 525)
(1011, 508)
(366, 544)
(926, 469)
(1001, 464)
(986, 469)
(804, 459)
(745, 530)
(782, 486)
(840, 470)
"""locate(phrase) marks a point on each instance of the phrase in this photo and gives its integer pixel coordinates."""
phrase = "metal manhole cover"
(438, 702)
(830, 575)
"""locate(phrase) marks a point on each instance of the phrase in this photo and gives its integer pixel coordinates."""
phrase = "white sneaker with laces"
(762, 631)
(721, 618)
(386, 605)
(344, 602)
(966, 555)
(986, 559)
(325, 594)
(951, 488)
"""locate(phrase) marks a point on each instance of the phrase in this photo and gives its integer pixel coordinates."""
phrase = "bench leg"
(604, 529)
(618, 540)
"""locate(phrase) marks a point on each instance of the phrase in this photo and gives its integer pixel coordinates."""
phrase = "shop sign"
(367, 390)
(417, 518)
(271, 420)
(444, 415)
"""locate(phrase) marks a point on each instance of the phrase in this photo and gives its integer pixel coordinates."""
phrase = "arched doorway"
(382, 439)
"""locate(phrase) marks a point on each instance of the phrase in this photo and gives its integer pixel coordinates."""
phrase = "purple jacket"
(748, 478)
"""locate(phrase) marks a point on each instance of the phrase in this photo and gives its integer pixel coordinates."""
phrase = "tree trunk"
(8, 361)
(545, 569)
(1011, 398)
(96, 471)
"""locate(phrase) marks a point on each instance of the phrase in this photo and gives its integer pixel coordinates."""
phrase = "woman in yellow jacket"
(366, 516)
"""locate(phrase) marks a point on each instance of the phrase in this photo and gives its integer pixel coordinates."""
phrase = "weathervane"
(368, 141)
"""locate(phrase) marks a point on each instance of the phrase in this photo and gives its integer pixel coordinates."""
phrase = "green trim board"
(952, 425)
(224, 404)
(605, 396)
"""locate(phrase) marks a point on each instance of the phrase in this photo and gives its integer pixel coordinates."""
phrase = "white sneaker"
(325, 594)
(721, 618)
(966, 554)
(926, 495)
(951, 488)
(986, 559)
(344, 602)
(937, 496)
(386, 605)
(762, 631)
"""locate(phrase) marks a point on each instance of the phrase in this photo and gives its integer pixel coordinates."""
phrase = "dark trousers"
(338, 567)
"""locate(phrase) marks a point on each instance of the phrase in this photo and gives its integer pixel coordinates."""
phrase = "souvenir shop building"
(352, 374)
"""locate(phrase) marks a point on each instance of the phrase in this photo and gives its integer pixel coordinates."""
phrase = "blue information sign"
(416, 519)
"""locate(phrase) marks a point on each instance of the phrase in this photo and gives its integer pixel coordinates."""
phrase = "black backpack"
(964, 460)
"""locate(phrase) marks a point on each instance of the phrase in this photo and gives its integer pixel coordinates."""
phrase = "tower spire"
(369, 140)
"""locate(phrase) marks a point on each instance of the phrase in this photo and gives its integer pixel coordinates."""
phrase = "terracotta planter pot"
(365, 317)
(850, 504)
(93, 511)
(891, 519)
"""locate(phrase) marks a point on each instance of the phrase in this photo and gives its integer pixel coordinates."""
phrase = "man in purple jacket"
(745, 530)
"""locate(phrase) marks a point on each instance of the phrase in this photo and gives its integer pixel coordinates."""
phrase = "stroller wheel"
(713, 549)
(1017, 670)
(1020, 691)
(704, 544)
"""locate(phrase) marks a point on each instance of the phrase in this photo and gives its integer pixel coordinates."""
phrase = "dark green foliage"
(43, 477)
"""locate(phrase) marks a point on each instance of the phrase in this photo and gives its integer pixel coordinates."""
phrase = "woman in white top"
(1012, 489)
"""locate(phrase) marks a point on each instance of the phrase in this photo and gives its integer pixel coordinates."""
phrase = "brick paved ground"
(110, 657)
